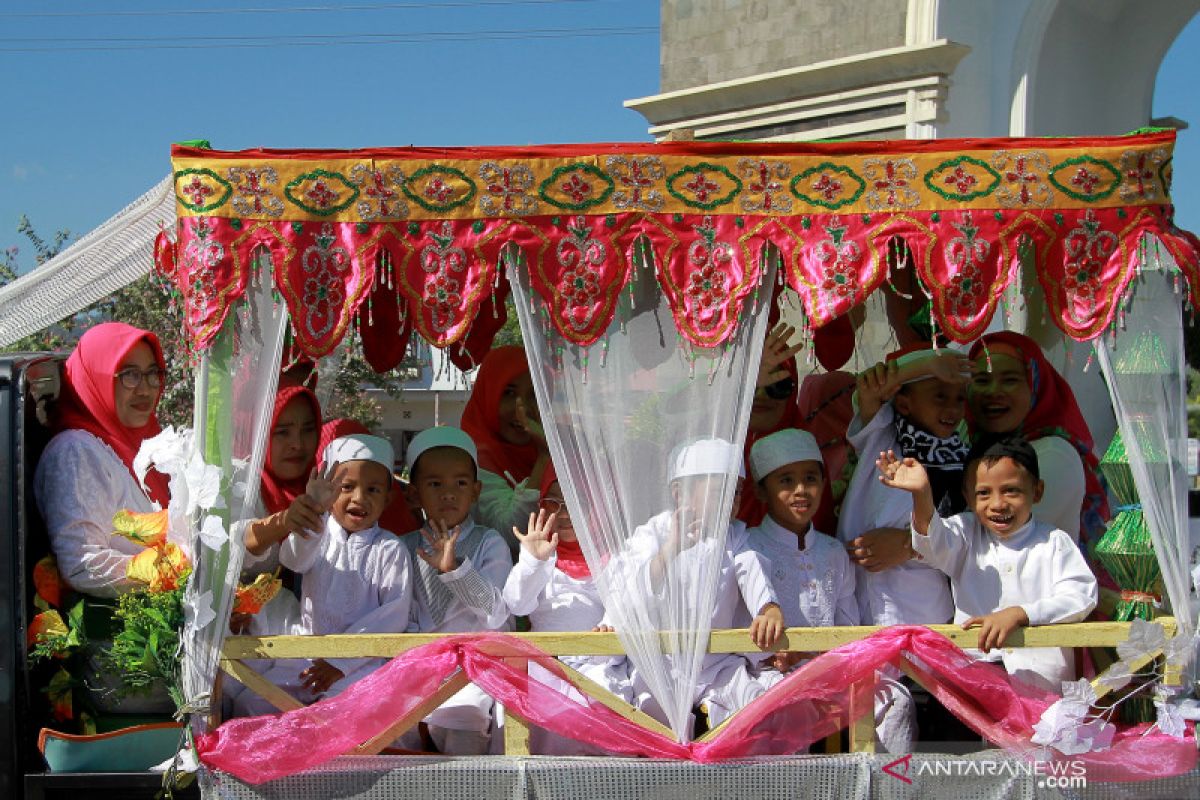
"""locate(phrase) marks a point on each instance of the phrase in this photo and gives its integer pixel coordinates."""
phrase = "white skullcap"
(704, 457)
(360, 447)
(781, 448)
(441, 436)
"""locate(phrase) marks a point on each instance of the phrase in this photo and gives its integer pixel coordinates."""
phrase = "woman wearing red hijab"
(502, 419)
(111, 386)
(1016, 390)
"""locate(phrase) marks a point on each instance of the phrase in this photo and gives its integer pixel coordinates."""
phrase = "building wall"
(706, 41)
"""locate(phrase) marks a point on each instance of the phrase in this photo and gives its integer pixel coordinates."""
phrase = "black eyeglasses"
(781, 389)
(132, 377)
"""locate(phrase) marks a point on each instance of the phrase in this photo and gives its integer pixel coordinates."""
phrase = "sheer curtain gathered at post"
(1146, 375)
(646, 434)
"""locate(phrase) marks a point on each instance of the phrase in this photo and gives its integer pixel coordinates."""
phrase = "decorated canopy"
(398, 239)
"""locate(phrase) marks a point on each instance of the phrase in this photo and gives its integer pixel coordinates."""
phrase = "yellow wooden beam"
(614, 703)
(862, 718)
(448, 689)
(1080, 634)
(256, 683)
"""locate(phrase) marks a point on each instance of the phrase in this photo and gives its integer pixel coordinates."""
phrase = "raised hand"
(775, 352)
(906, 473)
(320, 487)
(952, 366)
(541, 540)
(439, 550)
(303, 516)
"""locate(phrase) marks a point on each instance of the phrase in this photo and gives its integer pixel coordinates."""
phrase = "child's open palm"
(541, 540)
(951, 366)
(901, 473)
(439, 550)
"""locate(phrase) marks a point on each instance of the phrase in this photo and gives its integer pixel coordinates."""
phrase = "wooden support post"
(862, 719)
(260, 685)
(215, 700)
(516, 730)
(448, 689)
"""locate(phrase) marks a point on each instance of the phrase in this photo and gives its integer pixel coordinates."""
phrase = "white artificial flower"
(1079, 694)
(1059, 722)
(166, 452)
(1145, 638)
(1179, 650)
(1170, 718)
(213, 533)
(199, 613)
(204, 485)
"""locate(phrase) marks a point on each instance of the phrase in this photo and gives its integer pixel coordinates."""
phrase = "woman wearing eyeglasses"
(112, 383)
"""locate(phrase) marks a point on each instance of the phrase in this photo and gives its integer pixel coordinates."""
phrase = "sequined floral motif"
(255, 198)
(439, 188)
(704, 186)
(201, 256)
(828, 185)
(637, 179)
(891, 183)
(324, 293)
(765, 185)
(1085, 178)
(840, 259)
(580, 255)
(506, 189)
(1088, 248)
(382, 194)
(1023, 179)
(446, 265)
(1140, 170)
(962, 178)
(321, 192)
(707, 288)
(576, 187)
(201, 190)
(967, 293)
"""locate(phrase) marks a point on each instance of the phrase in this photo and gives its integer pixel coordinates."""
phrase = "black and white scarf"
(943, 461)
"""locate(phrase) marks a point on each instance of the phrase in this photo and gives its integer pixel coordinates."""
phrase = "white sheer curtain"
(235, 393)
(615, 413)
(1145, 371)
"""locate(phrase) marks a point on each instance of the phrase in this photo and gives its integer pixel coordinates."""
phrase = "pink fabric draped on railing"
(811, 703)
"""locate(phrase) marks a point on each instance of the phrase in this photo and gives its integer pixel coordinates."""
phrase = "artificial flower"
(147, 529)
(44, 626)
(251, 597)
(48, 583)
(161, 569)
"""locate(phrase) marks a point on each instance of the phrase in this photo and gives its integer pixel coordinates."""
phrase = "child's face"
(520, 388)
(933, 406)
(294, 440)
(1001, 399)
(1002, 495)
(554, 502)
(445, 484)
(364, 489)
(792, 494)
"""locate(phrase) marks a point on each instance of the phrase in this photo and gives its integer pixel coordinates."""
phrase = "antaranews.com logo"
(1049, 774)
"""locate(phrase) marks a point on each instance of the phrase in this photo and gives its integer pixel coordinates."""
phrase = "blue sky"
(93, 93)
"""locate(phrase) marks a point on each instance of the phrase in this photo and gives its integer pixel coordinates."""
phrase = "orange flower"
(149, 529)
(251, 597)
(48, 582)
(44, 625)
(161, 569)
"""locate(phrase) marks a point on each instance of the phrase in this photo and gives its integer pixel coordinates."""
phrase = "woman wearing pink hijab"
(112, 383)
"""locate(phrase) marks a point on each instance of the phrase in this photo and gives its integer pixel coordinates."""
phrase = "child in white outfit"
(552, 585)
(726, 681)
(461, 571)
(357, 576)
(927, 401)
(810, 572)
(1007, 570)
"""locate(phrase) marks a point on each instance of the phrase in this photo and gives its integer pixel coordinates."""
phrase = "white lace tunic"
(79, 484)
(815, 586)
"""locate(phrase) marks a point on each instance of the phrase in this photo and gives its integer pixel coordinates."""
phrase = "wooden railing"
(237, 649)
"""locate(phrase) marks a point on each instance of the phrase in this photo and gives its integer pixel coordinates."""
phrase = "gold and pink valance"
(400, 239)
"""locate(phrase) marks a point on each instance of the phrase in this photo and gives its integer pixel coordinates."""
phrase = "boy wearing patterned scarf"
(912, 404)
